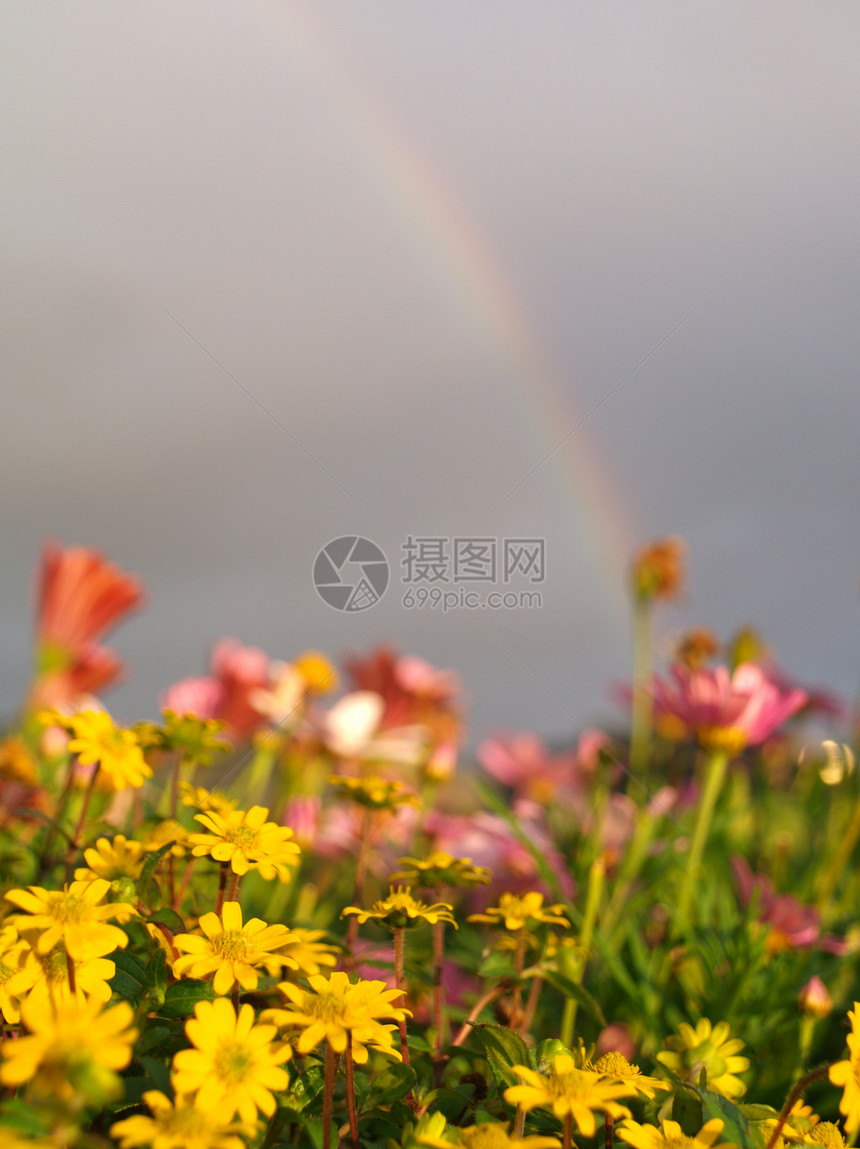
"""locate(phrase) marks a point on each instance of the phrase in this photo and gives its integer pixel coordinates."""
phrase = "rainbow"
(452, 244)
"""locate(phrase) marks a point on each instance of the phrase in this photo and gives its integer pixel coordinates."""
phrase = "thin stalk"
(350, 1092)
(438, 990)
(839, 861)
(567, 1135)
(476, 1011)
(519, 963)
(592, 904)
(643, 706)
(795, 1094)
(70, 968)
(531, 1005)
(222, 886)
(608, 1125)
(233, 888)
(360, 874)
(183, 885)
(630, 869)
(59, 814)
(328, 1095)
(716, 772)
(400, 982)
(75, 844)
(519, 1124)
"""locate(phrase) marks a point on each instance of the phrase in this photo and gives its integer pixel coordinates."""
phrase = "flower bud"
(122, 890)
(814, 1000)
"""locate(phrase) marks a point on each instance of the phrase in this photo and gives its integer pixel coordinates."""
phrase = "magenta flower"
(793, 925)
(725, 712)
(202, 697)
(524, 763)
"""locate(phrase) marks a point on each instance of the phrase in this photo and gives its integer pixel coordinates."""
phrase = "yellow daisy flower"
(710, 1048)
(487, 1135)
(401, 911)
(569, 1092)
(13, 950)
(515, 912)
(176, 833)
(616, 1066)
(374, 792)
(670, 1136)
(74, 917)
(75, 1046)
(228, 949)
(205, 801)
(44, 978)
(827, 1134)
(333, 1007)
(247, 841)
(120, 858)
(318, 672)
(799, 1125)
(97, 741)
(441, 869)
(176, 1125)
(305, 953)
(233, 1067)
(847, 1074)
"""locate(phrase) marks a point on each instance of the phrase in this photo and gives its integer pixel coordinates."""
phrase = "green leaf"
(579, 994)
(149, 867)
(155, 978)
(35, 1121)
(503, 1049)
(181, 997)
(687, 1111)
(169, 918)
(157, 1073)
(497, 965)
(390, 1086)
(152, 1038)
(304, 1090)
(759, 1112)
(128, 981)
(736, 1128)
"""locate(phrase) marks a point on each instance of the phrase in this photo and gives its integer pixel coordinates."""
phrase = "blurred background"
(276, 273)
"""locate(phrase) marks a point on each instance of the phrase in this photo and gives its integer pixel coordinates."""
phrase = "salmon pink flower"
(725, 712)
(80, 597)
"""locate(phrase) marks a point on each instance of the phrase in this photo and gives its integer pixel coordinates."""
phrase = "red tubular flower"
(80, 597)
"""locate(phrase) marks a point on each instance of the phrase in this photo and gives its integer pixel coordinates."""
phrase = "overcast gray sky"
(426, 240)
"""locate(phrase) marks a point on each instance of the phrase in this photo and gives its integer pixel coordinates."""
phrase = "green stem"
(715, 776)
(643, 706)
(630, 869)
(75, 844)
(259, 775)
(795, 1094)
(350, 1092)
(400, 982)
(438, 992)
(592, 904)
(328, 1095)
(360, 874)
(839, 861)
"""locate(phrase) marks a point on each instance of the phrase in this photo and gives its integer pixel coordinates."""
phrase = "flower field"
(292, 911)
